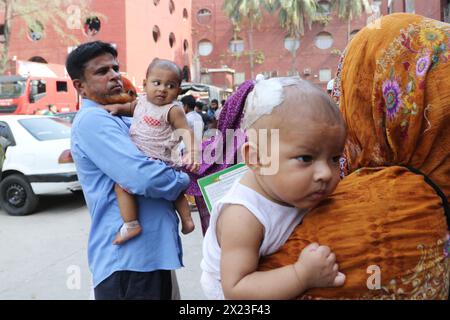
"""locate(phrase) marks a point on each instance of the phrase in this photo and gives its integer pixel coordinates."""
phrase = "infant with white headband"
(296, 136)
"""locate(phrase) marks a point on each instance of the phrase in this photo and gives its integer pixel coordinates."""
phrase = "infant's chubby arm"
(239, 234)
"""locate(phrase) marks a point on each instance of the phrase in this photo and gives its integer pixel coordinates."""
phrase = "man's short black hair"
(77, 60)
(215, 101)
(199, 105)
(189, 101)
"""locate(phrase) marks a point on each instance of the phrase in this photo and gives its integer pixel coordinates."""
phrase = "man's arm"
(106, 143)
(124, 109)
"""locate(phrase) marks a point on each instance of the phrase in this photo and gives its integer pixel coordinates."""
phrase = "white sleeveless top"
(278, 222)
(152, 133)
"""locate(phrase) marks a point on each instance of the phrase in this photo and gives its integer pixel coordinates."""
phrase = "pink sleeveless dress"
(152, 133)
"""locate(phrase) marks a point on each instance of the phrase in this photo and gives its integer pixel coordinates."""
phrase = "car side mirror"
(4, 143)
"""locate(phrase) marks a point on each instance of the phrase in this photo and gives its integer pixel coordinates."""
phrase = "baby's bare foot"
(187, 225)
(128, 231)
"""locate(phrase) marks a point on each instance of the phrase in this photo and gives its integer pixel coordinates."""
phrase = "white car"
(37, 161)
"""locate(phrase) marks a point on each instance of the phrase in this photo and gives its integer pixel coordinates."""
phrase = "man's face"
(101, 78)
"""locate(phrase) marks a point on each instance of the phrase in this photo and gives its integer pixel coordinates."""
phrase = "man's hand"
(190, 160)
(118, 109)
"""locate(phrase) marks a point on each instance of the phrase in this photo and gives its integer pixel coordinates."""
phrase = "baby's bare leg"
(182, 206)
(129, 212)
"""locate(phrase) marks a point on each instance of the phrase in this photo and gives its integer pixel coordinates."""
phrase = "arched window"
(323, 40)
(205, 47)
(36, 31)
(171, 6)
(156, 33)
(236, 45)
(204, 16)
(171, 39)
(91, 26)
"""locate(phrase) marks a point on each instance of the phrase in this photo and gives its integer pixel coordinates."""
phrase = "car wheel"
(17, 196)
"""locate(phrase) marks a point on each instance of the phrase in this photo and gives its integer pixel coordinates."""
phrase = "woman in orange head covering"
(387, 221)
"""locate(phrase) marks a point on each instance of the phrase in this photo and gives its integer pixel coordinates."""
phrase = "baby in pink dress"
(156, 116)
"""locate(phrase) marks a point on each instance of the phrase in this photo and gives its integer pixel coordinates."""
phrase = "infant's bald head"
(301, 101)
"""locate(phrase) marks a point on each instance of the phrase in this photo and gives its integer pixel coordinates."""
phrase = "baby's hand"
(317, 267)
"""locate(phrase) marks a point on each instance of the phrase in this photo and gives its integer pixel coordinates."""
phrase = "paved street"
(44, 254)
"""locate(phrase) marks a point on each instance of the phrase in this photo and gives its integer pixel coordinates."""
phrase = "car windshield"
(47, 128)
(14, 89)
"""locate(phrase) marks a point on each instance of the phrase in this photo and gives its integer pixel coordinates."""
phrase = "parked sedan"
(37, 161)
(69, 116)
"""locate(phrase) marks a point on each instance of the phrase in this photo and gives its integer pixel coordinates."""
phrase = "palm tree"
(37, 14)
(293, 15)
(349, 9)
(245, 11)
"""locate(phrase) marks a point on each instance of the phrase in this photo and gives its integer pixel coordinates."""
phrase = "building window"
(185, 45)
(61, 86)
(239, 77)
(156, 33)
(38, 59)
(185, 14)
(323, 40)
(91, 26)
(171, 6)
(353, 33)
(409, 6)
(390, 7)
(2, 33)
(36, 31)
(205, 47)
(155, 2)
(446, 12)
(236, 45)
(291, 44)
(204, 16)
(171, 39)
(324, 7)
(324, 75)
(186, 73)
(205, 78)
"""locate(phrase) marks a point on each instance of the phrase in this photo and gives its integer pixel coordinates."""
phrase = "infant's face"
(162, 86)
(309, 154)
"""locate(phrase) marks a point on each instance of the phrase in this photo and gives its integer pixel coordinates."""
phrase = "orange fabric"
(388, 218)
(394, 94)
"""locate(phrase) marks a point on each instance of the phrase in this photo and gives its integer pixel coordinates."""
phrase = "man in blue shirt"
(104, 155)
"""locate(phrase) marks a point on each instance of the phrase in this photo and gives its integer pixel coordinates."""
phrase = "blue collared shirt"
(104, 154)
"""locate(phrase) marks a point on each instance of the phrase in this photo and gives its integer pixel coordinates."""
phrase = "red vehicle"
(30, 87)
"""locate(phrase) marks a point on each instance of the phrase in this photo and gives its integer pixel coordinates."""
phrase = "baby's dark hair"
(165, 64)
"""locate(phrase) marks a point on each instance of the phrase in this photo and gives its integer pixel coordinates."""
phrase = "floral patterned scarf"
(386, 223)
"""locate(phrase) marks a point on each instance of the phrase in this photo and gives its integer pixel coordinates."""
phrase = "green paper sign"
(216, 185)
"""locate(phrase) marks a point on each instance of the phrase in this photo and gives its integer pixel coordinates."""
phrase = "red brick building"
(140, 29)
(198, 36)
(218, 47)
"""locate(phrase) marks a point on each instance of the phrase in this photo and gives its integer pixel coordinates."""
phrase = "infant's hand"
(317, 267)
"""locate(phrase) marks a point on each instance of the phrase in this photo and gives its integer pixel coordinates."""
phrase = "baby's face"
(162, 86)
(308, 167)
